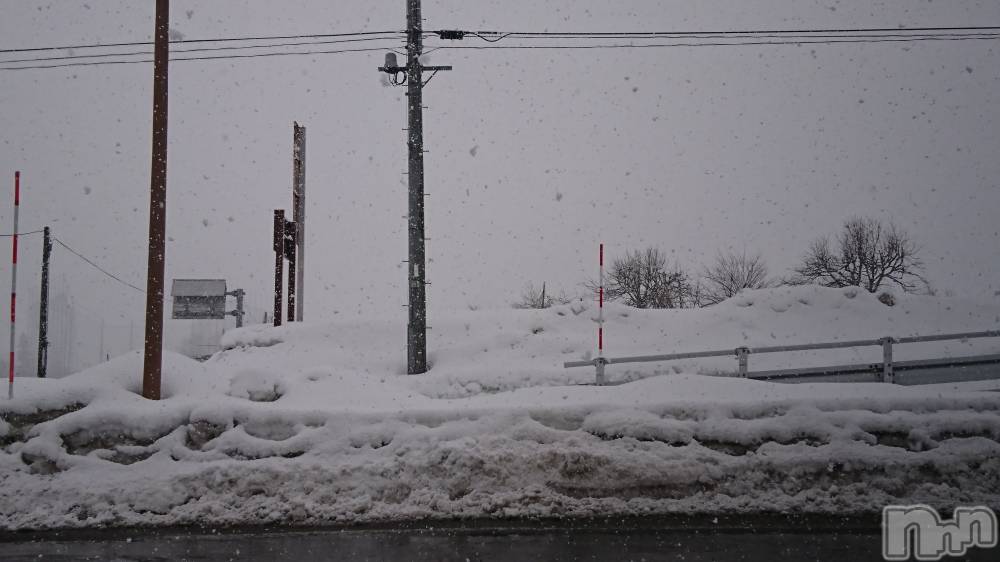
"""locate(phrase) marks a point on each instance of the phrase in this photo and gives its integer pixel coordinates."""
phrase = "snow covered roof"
(198, 288)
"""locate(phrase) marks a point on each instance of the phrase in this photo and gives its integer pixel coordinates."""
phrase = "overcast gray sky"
(534, 156)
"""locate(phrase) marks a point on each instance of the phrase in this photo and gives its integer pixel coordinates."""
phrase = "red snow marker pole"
(13, 283)
(600, 324)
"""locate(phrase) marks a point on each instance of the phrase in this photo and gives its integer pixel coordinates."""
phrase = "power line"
(196, 50)
(703, 39)
(99, 268)
(716, 44)
(730, 43)
(212, 40)
(709, 35)
(915, 30)
(21, 234)
(399, 33)
(182, 59)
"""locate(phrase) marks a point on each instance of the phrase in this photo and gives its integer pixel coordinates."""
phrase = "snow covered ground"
(317, 423)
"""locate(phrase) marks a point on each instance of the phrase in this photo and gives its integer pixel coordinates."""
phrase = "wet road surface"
(619, 540)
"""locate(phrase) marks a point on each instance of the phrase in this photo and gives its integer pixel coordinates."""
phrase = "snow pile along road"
(314, 423)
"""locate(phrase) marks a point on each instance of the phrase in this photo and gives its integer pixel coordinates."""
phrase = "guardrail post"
(600, 362)
(888, 374)
(743, 356)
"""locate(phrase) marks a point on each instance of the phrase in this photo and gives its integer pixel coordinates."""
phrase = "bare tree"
(641, 279)
(866, 253)
(732, 273)
(532, 297)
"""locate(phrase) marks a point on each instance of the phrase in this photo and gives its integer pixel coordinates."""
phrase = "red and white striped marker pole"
(599, 362)
(13, 283)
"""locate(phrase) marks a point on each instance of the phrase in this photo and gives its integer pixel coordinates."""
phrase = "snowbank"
(316, 423)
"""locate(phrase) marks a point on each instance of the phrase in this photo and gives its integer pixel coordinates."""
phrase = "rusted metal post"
(299, 215)
(279, 263)
(43, 307)
(290, 236)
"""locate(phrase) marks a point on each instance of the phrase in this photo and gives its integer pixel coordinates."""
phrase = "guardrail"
(886, 368)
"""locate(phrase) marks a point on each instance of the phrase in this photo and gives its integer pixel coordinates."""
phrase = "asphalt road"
(618, 541)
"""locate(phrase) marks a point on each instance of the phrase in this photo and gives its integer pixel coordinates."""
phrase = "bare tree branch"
(641, 279)
(868, 254)
(532, 297)
(732, 273)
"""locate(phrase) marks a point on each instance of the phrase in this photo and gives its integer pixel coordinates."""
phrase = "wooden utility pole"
(43, 307)
(153, 355)
(299, 215)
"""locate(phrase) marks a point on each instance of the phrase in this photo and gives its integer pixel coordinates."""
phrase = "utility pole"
(416, 328)
(43, 307)
(279, 263)
(416, 331)
(153, 354)
(299, 215)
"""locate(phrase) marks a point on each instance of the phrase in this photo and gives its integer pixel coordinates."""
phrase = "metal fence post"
(600, 362)
(743, 355)
(888, 374)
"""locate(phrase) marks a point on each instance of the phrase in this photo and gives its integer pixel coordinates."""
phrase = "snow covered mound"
(316, 423)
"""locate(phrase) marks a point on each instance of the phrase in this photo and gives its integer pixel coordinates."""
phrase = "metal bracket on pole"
(743, 356)
(888, 373)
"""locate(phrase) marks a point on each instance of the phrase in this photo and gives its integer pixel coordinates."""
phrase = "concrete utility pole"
(43, 307)
(153, 355)
(416, 328)
(416, 357)
(299, 215)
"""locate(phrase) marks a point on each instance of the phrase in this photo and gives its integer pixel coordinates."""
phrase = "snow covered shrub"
(256, 386)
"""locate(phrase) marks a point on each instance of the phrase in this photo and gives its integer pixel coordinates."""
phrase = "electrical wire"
(195, 50)
(212, 40)
(713, 44)
(182, 59)
(21, 234)
(99, 268)
(625, 34)
(701, 39)
(914, 36)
